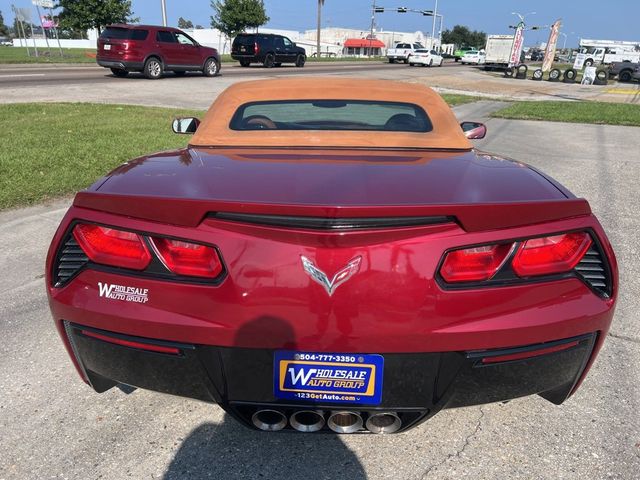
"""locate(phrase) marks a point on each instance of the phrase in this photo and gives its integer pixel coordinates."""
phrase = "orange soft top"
(215, 131)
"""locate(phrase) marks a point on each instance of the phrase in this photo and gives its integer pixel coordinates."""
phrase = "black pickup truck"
(625, 71)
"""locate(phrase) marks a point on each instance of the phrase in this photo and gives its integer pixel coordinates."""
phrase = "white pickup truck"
(402, 52)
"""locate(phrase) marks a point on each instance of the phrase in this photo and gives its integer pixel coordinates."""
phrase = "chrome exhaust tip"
(307, 420)
(344, 421)
(269, 420)
(383, 422)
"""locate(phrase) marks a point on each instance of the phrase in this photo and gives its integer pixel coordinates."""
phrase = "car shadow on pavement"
(230, 450)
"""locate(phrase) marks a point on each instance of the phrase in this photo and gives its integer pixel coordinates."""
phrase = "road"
(74, 75)
(56, 427)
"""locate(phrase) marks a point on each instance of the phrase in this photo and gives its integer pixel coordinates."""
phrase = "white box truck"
(498, 51)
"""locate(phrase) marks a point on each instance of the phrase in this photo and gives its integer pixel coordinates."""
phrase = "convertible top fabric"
(214, 130)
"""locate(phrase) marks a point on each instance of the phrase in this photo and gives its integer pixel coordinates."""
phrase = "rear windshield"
(245, 40)
(331, 115)
(124, 34)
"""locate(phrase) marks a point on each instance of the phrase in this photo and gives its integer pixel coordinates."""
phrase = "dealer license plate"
(328, 377)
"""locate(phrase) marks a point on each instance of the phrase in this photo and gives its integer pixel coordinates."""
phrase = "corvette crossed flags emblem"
(338, 279)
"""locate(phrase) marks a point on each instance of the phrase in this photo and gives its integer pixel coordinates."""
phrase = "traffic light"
(427, 13)
(379, 9)
(402, 9)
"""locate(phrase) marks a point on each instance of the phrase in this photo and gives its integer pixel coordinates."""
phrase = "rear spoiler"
(471, 217)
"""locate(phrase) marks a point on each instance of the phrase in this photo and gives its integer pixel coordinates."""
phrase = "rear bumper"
(122, 64)
(415, 385)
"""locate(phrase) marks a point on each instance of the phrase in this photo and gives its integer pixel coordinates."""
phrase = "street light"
(521, 17)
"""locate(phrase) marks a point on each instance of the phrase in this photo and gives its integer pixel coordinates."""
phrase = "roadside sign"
(589, 76)
(550, 51)
(43, 3)
(578, 63)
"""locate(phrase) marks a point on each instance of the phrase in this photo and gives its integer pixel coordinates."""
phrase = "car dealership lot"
(54, 426)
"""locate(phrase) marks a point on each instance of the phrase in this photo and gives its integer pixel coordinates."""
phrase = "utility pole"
(373, 25)
(319, 27)
(164, 12)
(433, 26)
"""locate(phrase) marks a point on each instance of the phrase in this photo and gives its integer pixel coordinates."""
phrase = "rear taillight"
(125, 45)
(256, 48)
(549, 255)
(474, 264)
(109, 246)
(186, 258)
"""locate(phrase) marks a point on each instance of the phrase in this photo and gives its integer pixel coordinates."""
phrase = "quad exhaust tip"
(383, 422)
(345, 421)
(269, 420)
(307, 420)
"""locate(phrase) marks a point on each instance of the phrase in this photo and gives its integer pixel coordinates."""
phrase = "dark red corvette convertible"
(332, 254)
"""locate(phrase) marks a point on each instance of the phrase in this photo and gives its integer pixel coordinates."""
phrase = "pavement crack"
(460, 451)
(623, 337)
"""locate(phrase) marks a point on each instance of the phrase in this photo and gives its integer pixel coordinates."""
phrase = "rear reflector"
(186, 258)
(474, 264)
(109, 246)
(549, 255)
(529, 353)
(130, 343)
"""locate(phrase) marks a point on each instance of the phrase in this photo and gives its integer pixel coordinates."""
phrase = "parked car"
(425, 57)
(537, 56)
(332, 254)
(402, 51)
(473, 57)
(623, 70)
(153, 50)
(459, 53)
(268, 49)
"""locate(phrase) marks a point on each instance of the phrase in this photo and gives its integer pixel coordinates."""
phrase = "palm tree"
(320, 4)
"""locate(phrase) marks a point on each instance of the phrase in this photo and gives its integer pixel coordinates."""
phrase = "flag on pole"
(550, 51)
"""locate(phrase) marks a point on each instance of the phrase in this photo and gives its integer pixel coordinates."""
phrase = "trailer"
(498, 51)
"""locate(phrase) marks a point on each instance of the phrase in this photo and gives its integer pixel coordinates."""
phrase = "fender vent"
(70, 260)
(594, 271)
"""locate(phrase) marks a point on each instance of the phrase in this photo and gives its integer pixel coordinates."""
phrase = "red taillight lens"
(109, 246)
(256, 48)
(474, 264)
(548, 255)
(186, 258)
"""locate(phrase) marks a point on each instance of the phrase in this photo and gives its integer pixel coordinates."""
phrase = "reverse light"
(186, 258)
(549, 255)
(474, 264)
(109, 246)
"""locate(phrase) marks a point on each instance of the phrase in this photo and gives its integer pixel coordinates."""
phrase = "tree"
(4, 30)
(320, 5)
(86, 14)
(185, 24)
(235, 16)
(462, 36)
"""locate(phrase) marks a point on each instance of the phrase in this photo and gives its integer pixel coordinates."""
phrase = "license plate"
(243, 49)
(328, 377)
(107, 47)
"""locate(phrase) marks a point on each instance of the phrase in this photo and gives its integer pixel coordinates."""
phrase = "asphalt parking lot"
(53, 426)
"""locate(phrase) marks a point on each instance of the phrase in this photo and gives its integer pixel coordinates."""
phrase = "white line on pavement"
(23, 75)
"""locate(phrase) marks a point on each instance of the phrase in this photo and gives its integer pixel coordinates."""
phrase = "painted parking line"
(14, 75)
(623, 91)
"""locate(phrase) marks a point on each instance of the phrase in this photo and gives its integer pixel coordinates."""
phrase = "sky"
(613, 19)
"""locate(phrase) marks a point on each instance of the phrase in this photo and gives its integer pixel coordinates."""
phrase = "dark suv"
(153, 50)
(267, 49)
